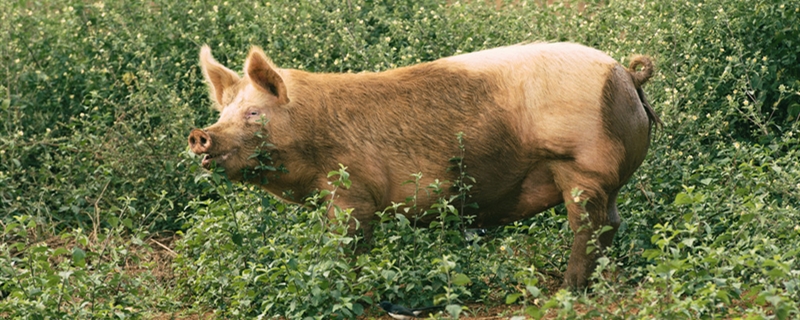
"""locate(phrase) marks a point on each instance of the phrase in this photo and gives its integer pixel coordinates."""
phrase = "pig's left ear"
(264, 76)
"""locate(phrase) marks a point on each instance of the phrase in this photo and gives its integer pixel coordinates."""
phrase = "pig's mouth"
(216, 157)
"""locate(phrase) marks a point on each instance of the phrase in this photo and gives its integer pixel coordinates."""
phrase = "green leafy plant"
(97, 99)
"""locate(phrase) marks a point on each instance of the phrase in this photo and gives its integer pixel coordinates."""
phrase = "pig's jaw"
(219, 158)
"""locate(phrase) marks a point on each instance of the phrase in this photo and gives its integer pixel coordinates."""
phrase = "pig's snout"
(199, 141)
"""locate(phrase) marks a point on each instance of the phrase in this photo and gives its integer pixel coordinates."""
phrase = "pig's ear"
(219, 77)
(264, 76)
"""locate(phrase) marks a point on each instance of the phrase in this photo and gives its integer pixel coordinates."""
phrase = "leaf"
(724, 296)
(113, 221)
(59, 251)
(389, 275)
(683, 198)
(747, 217)
(137, 241)
(292, 263)
(461, 279)
(454, 310)
(236, 237)
(511, 298)
(402, 220)
(534, 312)
(794, 110)
(78, 257)
(64, 274)
(534, 290)
(127, 222)
(651, 254)
(742, 191)
(39, 249)
(776, 273)
(10, 227)
(358, 309)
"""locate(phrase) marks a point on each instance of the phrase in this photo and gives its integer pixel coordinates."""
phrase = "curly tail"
(639, 79)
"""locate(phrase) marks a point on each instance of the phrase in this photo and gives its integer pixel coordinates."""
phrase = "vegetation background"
(105, 214)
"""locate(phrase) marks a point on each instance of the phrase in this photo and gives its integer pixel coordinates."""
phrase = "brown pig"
(538, 121)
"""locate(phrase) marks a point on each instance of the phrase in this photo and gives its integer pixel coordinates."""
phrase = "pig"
(538, 121)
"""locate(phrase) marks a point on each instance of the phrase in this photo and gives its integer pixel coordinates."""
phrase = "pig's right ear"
(219, 77)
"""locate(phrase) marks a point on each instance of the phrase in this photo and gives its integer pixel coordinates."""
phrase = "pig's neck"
(295, 176)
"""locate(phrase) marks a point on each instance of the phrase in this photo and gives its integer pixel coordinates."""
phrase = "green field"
(104, 212)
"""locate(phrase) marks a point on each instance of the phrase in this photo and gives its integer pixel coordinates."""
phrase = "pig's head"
(238, 142)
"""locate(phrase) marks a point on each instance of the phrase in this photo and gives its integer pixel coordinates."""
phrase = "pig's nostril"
(199, 141)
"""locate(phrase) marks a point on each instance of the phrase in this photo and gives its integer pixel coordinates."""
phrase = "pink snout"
(199, 141)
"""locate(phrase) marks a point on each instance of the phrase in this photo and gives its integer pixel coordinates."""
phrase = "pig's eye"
(252, 113)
